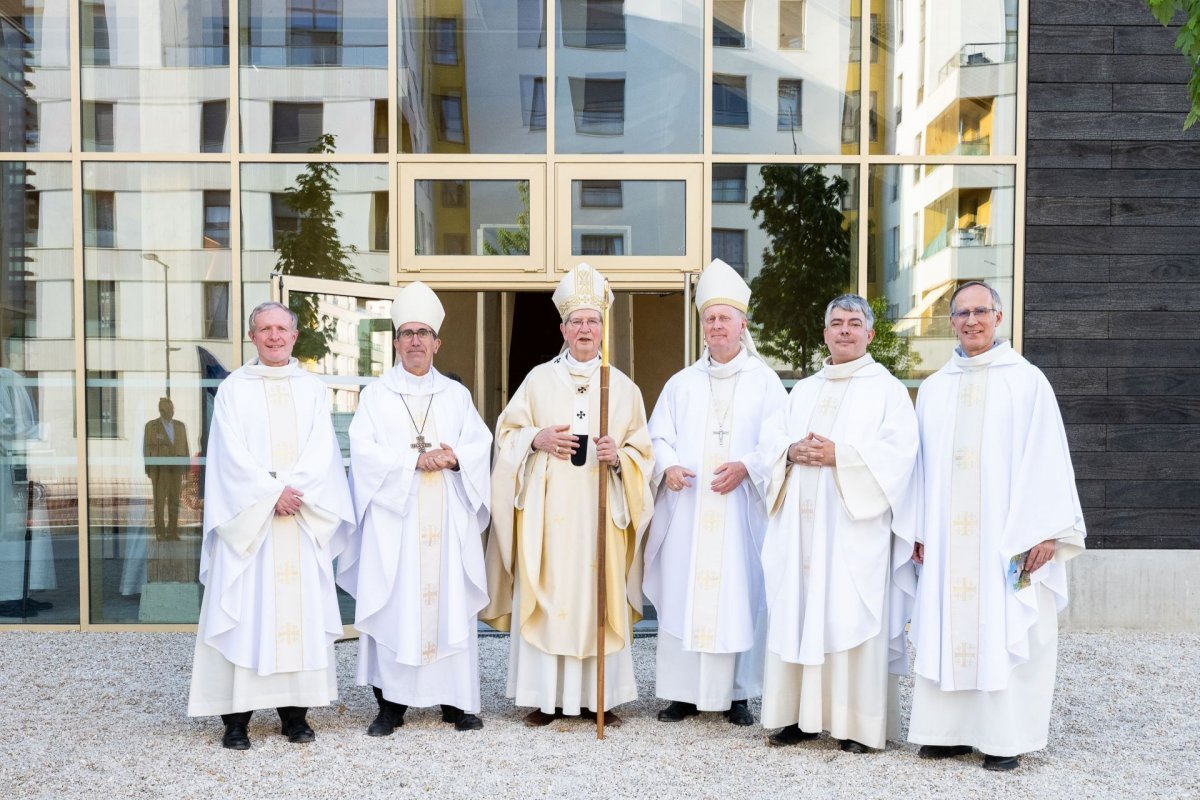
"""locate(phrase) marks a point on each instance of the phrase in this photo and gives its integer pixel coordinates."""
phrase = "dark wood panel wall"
(1112, 263)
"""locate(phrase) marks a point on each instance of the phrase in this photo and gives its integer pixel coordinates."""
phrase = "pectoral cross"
(720, 433)
(421, 444)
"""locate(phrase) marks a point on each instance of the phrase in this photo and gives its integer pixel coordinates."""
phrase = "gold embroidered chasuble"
(285, 532)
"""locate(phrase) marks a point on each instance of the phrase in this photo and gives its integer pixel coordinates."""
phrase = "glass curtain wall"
(141, 218)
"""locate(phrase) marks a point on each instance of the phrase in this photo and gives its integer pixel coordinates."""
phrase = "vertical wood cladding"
(1112, 263)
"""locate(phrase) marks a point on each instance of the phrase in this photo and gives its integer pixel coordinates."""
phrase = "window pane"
(471, 218)
(937, 228)
(949, 94)
(153, 75)
(729, 24)
(312, 67)
(35, 107)
(789, 44)
(39, 531)
(156, 315)
(629, 76)
(466, 83)
(649, 221)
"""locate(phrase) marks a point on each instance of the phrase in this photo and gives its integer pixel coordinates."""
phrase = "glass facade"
(484, 147)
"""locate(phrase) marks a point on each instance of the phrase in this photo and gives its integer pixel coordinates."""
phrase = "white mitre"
(720, 284)
(417, 303)
(582, 287)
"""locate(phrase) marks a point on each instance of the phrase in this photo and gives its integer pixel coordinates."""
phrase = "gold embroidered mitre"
(582, 287)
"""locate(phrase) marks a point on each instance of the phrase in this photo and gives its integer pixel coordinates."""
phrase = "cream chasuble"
(269, 615)
(994, 479)
(544, 527)
(416, 567)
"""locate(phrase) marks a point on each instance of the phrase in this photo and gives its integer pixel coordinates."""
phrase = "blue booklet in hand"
(1018, 576)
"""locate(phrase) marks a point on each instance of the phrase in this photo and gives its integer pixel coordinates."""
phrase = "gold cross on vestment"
(703, 638)
(421, 444)
(561, 613)
(557, 520)
(965, 458)
(826, 407)
(964, 654)
(430, 595)
(288, 634)
(970, 395)
(429, 652)
(711, 522)
(287, 573)
(430, 535)
(708, 580)
(808, 511)
(963, 589)
(965, 524)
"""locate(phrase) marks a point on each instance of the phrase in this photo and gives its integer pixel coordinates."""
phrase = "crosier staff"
(602, 528)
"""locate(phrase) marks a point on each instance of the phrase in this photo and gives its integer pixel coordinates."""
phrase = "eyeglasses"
(579, 322)
(967, 313)
(420, 333)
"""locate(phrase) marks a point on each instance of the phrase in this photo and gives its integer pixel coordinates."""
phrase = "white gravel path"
(104, 716)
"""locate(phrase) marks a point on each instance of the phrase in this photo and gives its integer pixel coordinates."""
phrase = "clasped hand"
(813, 451)
(727, 477)
(289, 501)
(441, 458)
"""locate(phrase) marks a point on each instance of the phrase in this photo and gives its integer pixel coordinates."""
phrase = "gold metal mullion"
(79, 327)
(236, 300)
(1018, 299)
(550, 179)
(393, 146)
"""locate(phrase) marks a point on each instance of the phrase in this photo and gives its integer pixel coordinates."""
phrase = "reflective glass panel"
(933, 229)
(946, 77)
(471, 218)
(628, 218)
(629, 77)
(313, 67)
(156, 268)
(785, 77)
(155, 76)
(39, 528)
(316, 220)
(35, 80)
(472, 77)
(792, 231)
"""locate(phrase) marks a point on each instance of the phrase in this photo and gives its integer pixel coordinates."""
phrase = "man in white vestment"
(541, 551)
(277, 511)
(419, 473)
(995, 515)
(703, 572)
(843, 452)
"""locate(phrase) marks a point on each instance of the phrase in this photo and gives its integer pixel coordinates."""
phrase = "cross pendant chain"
(720, 433)
(421, 444)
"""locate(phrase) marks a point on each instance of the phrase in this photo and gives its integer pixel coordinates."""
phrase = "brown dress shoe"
(538, 718)
(611, 720)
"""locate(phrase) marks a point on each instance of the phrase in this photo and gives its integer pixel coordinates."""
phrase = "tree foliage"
(313, 249)
(806, 264)
(513, 242)
(1187, 43)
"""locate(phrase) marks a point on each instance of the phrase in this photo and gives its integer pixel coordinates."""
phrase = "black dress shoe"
(851, 746)
(785, 737)
(235, 738)
(1001, 763)
(739, 713)
(677, 711)
(294, 726)
(944, 751)
(390, 716)
(468, 722)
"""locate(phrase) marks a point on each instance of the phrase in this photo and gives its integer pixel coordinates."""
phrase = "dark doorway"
(535, 335)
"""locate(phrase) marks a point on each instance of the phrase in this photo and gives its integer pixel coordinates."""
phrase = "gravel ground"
(104, 715)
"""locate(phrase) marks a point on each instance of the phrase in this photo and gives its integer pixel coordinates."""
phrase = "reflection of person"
(277, 511)
(165, 451)
(419, 460)
(544, 519)
(703, 573)
(843, 450)
(18, 424)
(994, 492)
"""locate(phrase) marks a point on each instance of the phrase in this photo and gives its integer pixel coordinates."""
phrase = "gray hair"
(271, 305)
(852, 303)
(996, 304)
